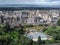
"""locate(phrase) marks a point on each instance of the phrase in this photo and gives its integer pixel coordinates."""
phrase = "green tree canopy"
(58, 22)
(39, 42)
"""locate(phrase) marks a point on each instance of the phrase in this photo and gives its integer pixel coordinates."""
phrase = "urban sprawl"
(34, 17)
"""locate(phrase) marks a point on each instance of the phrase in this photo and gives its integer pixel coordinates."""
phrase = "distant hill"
(21, 6)
(29, 5)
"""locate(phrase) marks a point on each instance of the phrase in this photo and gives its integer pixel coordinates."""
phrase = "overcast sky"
(35, 2)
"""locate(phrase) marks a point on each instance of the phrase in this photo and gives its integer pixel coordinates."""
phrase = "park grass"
(36, 27)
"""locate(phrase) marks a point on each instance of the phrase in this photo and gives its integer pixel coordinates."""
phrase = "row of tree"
(15, 36)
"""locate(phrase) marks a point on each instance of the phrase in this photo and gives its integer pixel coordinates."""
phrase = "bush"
(28, 25)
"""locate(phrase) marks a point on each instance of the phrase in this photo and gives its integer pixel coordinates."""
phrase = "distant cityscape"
(29, 22)
(33, 17)
(38, 25)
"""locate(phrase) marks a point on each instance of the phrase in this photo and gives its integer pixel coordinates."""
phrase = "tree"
(39, 42)
(58, 22)
(2, 20)
(44, 29)
(31, 42)
(19, 29)
(22, 29)
(15, 37)
(53, 40)
(7, 27)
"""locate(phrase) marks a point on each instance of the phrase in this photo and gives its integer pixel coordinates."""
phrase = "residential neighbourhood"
(30, 16)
